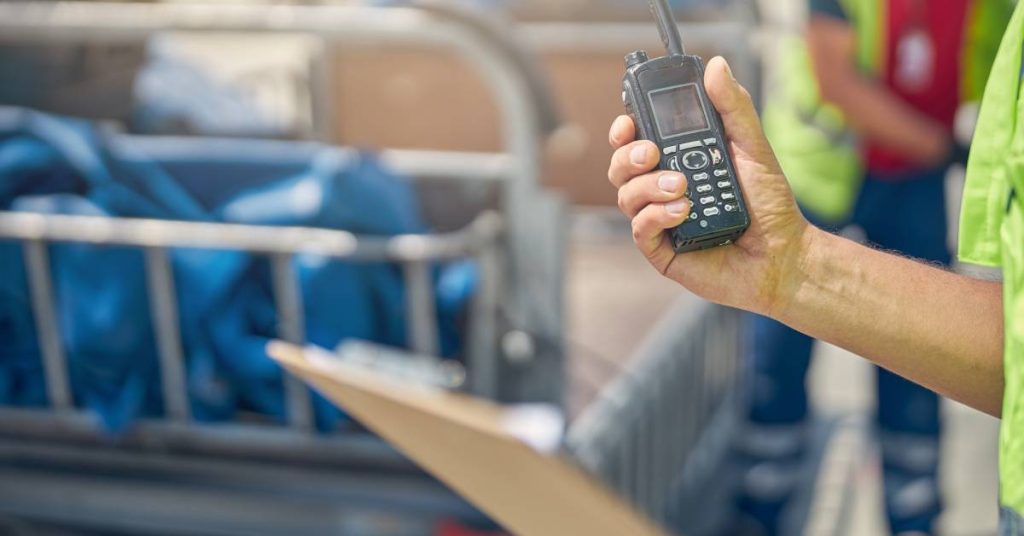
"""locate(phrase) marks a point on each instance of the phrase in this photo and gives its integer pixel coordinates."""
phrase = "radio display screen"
(678, 111)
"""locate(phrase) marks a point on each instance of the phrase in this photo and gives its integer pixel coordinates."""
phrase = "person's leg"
(910, 217)
(770, 446)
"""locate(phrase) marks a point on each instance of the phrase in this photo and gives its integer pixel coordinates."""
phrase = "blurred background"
(181, 182)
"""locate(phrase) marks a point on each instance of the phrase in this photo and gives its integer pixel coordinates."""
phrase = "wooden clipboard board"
(465, 442)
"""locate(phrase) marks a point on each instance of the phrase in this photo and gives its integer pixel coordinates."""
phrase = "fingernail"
(639, 154)
(669, 182)
(678, 208)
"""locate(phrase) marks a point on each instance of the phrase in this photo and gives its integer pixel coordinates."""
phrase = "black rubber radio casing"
(698, 149)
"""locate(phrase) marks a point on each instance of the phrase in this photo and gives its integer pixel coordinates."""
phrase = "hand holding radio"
(755, 272)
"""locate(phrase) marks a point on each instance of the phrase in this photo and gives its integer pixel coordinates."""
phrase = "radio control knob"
(636, 58)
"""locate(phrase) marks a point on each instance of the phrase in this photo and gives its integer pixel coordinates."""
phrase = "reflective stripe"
(771, 442)
(910, 452)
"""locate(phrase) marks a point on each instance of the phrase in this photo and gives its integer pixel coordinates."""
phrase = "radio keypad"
(696, 156)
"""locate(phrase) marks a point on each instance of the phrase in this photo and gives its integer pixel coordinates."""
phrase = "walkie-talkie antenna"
(667, 27)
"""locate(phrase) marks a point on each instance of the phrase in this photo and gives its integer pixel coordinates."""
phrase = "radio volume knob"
(636, 58)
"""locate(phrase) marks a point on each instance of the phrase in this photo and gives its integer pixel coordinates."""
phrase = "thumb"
(736, 107)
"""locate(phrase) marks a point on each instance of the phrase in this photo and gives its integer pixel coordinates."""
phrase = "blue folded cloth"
(54, 165)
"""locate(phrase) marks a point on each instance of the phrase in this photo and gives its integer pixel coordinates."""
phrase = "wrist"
(796, 269)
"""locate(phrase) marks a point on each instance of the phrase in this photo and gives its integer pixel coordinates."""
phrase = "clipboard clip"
(422, 370)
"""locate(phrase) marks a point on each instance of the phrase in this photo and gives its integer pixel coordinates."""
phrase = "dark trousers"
(907, 216)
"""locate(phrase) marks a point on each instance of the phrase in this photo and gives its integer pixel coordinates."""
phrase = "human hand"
(758, 272)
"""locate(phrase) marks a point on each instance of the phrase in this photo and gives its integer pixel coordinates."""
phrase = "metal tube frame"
(517, 169)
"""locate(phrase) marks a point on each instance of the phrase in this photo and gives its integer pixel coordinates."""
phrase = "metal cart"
(655, 435)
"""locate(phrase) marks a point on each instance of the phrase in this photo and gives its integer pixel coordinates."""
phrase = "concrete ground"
(614, 299)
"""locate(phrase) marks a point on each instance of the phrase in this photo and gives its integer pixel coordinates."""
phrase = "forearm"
(934, 327)
(877, 115)
(873, 110)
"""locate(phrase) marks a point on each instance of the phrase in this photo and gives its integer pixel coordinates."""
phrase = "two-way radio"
(670, 107)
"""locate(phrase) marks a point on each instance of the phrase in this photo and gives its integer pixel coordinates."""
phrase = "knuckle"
(623, 202)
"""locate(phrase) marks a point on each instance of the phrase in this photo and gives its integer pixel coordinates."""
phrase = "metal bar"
(421, 308)
(482, 354)
(322, 101)
(424, 165)
(37, 270)
(163, 306)
(291, 328)
(266, 442)
(258, 239)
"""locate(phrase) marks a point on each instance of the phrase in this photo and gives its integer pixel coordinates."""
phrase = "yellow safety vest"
(992, 234)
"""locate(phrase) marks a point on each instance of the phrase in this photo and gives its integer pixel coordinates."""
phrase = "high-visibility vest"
(821, 156)
(992, 233)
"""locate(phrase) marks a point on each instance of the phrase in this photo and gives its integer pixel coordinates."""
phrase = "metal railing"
(414, 253)
(664, 423)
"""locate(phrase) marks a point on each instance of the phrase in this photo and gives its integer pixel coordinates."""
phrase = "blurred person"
(863, 126)
(960, 336)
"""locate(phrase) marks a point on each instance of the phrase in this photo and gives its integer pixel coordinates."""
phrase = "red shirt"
(923, 48)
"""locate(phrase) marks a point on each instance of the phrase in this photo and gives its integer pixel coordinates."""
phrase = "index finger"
(623, 131)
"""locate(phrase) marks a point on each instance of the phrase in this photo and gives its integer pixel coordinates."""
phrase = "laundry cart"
(655, 435)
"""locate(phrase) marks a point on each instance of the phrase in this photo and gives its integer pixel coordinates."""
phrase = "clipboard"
(470, 444)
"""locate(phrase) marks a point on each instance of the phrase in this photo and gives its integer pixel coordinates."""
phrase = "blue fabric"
(52, 165)
(906, 215)
(1010, 523)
